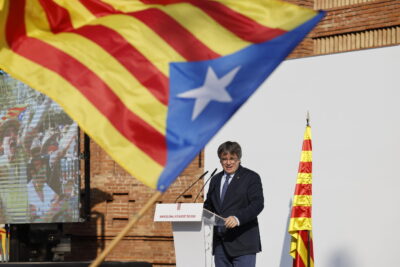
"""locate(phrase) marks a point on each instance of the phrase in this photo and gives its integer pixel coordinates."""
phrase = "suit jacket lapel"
(231, 187)
(218, 189)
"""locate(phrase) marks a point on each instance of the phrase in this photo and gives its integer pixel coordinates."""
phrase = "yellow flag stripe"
(306, 156)
(97, 126)
(3, 17)
(303, 252)
(207, 30)
(297, 245)
(304, 178)
(293, 244)
(35, 18)
(124, 85)
(272, 14)
(301, 223)
(79, 14)
(302, 200)
(307, 133)
(133, 30)
(128, 6)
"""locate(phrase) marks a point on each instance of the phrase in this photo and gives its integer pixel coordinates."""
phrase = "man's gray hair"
(230, 147)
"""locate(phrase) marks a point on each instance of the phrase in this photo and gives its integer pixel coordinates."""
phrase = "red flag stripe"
(14, 30)
(100, 95)
(165, 26)
(298, 262)
(145, 72)
(304, 235)
(240, 25)
(173, 33)
(88, 83)
(57, 16)
(17, 109)
(301, 212)
(305, 167)
(99, 8)
(307, 145)
(303, 189)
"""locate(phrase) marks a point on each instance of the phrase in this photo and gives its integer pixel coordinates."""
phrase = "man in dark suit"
(235, 194)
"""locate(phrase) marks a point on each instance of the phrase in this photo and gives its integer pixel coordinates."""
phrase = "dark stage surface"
(75, 264)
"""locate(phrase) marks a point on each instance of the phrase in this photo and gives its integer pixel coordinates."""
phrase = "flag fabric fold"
(300, 226)
(150, 81)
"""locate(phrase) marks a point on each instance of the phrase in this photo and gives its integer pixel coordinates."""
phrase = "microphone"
(201, 190)
(191, 186)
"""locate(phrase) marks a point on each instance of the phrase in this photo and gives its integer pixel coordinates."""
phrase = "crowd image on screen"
(39, 166)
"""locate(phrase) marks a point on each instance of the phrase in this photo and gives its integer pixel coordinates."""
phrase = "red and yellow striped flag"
(13, 112)
(300, 228)
(151, 81)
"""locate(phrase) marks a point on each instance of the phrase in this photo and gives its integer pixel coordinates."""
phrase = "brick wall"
(115, 197)
(349, 25)
(358, 26)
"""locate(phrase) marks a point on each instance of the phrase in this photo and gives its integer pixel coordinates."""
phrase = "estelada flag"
(150, 81)
(13, 112)
(300, 226)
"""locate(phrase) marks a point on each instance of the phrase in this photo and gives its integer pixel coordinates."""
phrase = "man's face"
(229, 162)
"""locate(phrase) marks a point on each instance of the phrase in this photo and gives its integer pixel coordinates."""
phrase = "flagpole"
(124, 231)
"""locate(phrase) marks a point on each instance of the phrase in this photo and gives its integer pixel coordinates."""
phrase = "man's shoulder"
(247, 171)
(217, 176)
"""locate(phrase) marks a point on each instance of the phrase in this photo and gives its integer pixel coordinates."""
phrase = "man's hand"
(231, 222)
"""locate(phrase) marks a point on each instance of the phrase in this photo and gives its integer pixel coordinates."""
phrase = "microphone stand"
(191, 186)
(201, 190)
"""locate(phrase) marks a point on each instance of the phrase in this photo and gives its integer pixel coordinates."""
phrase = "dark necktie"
(221, 229)
(225, 187)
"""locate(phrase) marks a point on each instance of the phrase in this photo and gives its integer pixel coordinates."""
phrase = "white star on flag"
(213, 89)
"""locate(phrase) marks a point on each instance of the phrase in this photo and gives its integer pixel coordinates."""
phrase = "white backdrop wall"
(354, 103)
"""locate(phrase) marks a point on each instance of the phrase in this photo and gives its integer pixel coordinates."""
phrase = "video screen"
(39, 163)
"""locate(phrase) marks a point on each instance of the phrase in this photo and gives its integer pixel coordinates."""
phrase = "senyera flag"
(150, 81)
(300, 226)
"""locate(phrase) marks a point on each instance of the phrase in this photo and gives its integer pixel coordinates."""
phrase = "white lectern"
(192, 227)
